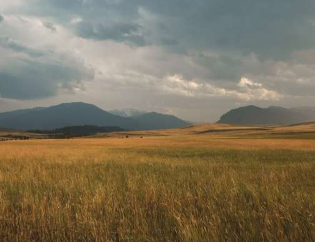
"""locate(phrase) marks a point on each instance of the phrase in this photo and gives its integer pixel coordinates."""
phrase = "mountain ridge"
(273, 115)
(78, 114)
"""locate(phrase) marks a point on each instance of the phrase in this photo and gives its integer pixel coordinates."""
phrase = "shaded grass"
(226, 155)
(156, 194)
(292, 135)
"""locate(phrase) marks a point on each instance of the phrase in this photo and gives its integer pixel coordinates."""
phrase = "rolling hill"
(252, 115)
(155, 120)
(80, 114)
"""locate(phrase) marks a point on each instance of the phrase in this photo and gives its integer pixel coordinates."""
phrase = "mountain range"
(253, 115)
(79, 114)
(127, 113)
(83, 114)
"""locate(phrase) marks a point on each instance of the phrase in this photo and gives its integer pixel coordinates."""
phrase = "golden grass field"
(202, 183)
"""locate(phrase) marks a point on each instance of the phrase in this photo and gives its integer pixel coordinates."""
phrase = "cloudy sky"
(195, 59)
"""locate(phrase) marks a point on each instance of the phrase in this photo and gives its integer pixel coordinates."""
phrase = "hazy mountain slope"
(252, 115)
(63, 115)
(14, 114)
(86, 130)
(307, 112)
(80, 114)
(160, 121)
(132, 113)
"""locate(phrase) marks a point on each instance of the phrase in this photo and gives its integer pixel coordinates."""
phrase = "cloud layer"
(179, 56)
(33, 79)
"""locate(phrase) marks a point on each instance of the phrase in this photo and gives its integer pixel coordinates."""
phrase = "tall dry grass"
(86, 191)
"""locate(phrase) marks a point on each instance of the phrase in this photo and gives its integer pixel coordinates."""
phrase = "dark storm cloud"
(119, 32)
(221, 67)
(25, 79)
(10, 44)
(50, 26)
(271, 29)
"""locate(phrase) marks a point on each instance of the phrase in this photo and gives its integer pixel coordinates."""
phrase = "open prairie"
(201, 183)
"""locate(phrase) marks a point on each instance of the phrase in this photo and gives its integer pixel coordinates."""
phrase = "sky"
(194, 59)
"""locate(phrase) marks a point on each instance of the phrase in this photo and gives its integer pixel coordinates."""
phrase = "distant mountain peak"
(128, 112)
(250, 106)
(74, 104)
(273, 115)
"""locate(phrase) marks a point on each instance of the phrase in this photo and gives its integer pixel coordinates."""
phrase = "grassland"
(185, 185)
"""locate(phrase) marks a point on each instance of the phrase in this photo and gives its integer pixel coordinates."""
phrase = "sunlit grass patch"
(88, 191)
